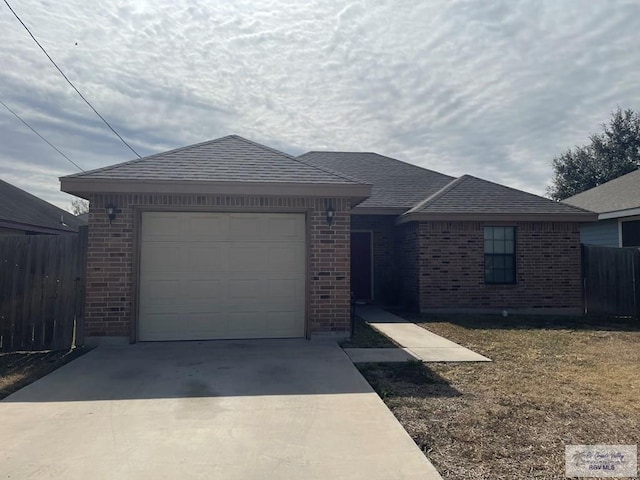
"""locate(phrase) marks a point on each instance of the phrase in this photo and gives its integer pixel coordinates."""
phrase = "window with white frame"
(630, 233)
(500, 255)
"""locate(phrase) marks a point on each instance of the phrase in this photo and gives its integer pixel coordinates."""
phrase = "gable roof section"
(230, 164)
(397, 185)
(471, 198)
(23, 211)
(622, 193)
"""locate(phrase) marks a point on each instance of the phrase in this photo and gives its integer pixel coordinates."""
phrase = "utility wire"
(36, 132)
(69, 81)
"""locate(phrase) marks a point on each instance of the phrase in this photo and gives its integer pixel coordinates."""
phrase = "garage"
(221, 275)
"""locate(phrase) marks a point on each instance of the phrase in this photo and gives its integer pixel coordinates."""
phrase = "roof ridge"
(334, 172)
(526, 193)
(379, 155)
(147, 157)
(209, 142)
(292, 157)
(434, 196)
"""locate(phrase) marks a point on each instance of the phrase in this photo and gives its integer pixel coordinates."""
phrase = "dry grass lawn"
(19, 369)
(552, 382)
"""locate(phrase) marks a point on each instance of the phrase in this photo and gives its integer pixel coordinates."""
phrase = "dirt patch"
(19, 369)
(552, 382)
(366, 337)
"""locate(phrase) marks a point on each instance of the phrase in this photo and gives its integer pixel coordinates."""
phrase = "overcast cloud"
(495, 89)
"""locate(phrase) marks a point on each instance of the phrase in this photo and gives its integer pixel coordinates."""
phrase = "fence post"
(636, 282)
(80, 281)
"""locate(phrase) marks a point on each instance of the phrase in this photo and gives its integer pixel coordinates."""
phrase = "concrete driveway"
(275, 409)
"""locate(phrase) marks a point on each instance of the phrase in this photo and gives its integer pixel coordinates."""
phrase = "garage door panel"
(205, 258)
(245, 227)
(285, 258)
(207, 290)
(207, 227)
(161, 257)
(283, 321)
(284, 228)
(162, 291)
(245, 258)
(284, 289)
(245, 289)
(222, 275)
(163, 226)
(162, 325)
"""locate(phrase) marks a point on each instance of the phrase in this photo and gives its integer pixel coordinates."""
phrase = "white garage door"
(221, 275)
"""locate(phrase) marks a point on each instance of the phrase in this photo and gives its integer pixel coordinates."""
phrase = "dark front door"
(361, 265)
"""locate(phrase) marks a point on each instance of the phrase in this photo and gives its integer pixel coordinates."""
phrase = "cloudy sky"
(495, 89)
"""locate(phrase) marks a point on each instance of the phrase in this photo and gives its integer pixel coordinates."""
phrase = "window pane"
(510, 276)
(499, 258)
(488, 276)
(631, 233)
(508, 262)
(510, 247)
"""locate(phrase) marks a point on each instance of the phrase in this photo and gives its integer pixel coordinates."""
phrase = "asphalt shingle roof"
(227, 159)
(396, 184)
(471, 195)
(18, 206)
(621, 193)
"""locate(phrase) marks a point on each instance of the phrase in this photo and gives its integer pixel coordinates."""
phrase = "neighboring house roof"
(22, 211)
(216, 166)
(396, 185)
(472, 197)
(620, 195)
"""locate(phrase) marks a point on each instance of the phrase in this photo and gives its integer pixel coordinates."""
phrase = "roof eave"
(625, 212)
(499, 217)
(392, 211)
(85, 187)
(27, 227)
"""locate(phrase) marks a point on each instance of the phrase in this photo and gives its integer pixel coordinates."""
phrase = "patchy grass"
(366, 337)
(553, 381)
(19, 369)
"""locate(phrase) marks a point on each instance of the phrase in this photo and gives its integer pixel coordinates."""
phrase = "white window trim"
(620, 221)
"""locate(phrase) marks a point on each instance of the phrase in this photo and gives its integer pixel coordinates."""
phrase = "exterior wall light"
(111, 212)
(331, 213)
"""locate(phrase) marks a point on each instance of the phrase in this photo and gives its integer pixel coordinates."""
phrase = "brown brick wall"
(407, 252)
(110, 257)
(385, 281)
(452, 267)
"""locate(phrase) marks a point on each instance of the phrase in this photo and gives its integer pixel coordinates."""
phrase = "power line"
(69, 81)
(36, 132)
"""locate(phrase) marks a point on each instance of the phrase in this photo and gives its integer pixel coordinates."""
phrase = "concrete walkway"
(416, 343)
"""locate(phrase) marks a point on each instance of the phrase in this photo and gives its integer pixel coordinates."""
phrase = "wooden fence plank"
(611, 280)
(80, 280)
(41, 289)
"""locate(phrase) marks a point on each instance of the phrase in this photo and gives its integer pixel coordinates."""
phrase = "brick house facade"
(452, 268)
(440, 265)
(111, 251)
(242, 241)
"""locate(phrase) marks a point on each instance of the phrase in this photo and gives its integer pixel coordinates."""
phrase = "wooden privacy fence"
(611, 280)
(41, 290)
